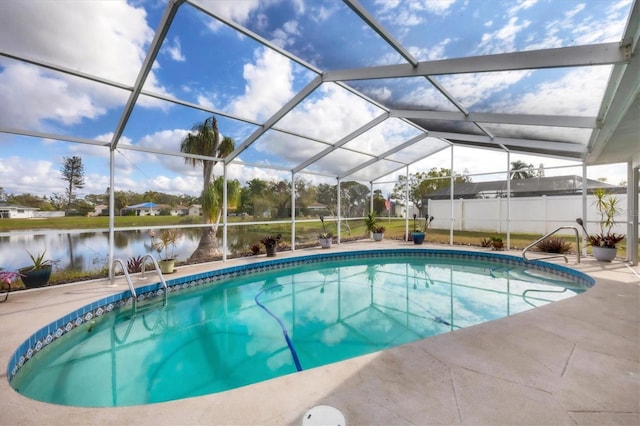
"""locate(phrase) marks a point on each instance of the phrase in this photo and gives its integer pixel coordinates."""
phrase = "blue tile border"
(67, 323)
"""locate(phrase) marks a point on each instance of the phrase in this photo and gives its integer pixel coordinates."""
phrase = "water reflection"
(88, 251)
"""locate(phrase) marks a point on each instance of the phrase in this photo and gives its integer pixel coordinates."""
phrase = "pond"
(88, 251)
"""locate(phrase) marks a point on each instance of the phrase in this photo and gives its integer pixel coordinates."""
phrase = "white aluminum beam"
(534, 144)
(382, 32)
(197, 4)
(384, 155)
(625, 94)
(521, 119)
(457, 104)
(227, 115)
(69, 71)
(572, 56)
(449, 144)
(165, 152)
(341, 142)
(622, 90)
(632, 30)
(299, 97)
(57, 137)
(154, 48)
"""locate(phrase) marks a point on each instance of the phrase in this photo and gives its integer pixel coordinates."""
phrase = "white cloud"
(578, 92)
(440, 7)
(521, 5)
(330, 115)
(41, 179)
(108, 39)
(205, 101)
(322, 13)
(432, 53)
(470, 89)
(284, 36)
(380, 94)
(36, 95)
(238, 11)
(503, 39)
(174, 50)
(411, 12)
(268, 85)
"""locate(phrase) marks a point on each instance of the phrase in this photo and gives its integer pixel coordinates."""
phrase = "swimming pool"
(241, 325)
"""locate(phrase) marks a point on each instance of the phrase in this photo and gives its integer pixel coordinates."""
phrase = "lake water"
(88, 251)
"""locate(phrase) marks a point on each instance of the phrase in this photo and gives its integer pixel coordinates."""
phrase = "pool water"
(267, 324)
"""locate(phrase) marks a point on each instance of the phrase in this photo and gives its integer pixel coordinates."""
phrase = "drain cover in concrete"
(323, 415)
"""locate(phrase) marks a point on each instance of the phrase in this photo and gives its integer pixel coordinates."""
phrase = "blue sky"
(207, 63)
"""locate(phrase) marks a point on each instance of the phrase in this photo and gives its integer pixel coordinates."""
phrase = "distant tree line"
(260, 198)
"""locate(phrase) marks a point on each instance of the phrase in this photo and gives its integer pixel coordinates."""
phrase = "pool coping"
(370, 375)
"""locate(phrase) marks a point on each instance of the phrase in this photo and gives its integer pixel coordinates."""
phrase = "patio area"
(571, 362)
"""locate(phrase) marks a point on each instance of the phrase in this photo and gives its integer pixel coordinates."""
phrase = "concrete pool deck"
(576, 361)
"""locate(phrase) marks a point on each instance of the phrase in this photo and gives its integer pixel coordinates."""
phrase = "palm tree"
(518, 172)
(205, 139)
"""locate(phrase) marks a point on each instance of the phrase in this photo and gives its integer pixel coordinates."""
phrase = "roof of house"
(553, 185)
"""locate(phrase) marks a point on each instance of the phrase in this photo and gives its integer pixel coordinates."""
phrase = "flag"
(387, 203)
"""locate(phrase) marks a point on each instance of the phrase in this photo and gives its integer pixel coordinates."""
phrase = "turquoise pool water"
(244, 328)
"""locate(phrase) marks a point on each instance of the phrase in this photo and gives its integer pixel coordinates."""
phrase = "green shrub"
(553, 245)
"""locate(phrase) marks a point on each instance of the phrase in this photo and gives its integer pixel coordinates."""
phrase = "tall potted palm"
(325, 238)
(166, 244)
(604, 243)
(373, 227)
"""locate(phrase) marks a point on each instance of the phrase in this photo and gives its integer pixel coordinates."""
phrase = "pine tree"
(72, 172)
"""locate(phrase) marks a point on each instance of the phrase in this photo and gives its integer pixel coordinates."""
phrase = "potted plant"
(38, 273)
(166, 243)
(497, 244)
(604, 243)
(270, 244)
(372, 226)
(325, 238)
(419, 233)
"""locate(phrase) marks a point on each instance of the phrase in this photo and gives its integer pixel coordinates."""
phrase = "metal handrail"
(157, 268)
(126, 275)
(527, 248)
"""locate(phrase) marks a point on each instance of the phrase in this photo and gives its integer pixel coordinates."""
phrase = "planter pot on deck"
(325, 243)
(167, 266)
(32, 278)
(418, 237)
(604, 254)
(271, 251)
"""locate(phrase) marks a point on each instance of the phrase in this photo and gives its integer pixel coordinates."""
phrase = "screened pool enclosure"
(325, 91)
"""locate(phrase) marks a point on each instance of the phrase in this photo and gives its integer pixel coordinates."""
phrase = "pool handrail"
(157, 268)
(126, 275)
(575, 229)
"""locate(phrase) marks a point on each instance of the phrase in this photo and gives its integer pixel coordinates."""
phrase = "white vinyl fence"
(530, 215)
